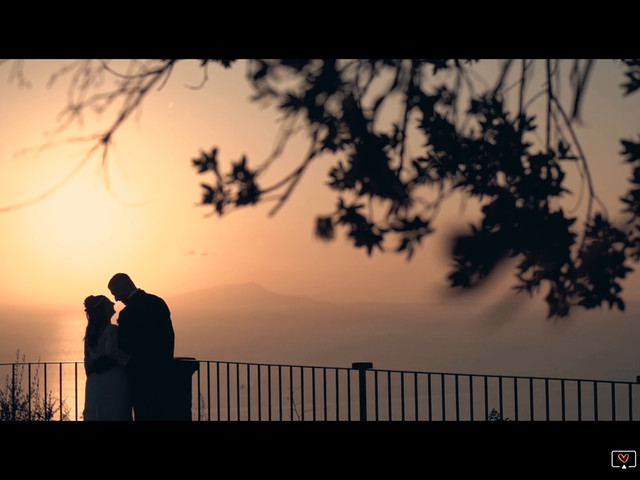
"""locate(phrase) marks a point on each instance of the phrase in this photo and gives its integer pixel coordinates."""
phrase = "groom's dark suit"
(146, 333)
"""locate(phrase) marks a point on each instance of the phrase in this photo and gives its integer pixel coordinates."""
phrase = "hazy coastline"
(249, 323)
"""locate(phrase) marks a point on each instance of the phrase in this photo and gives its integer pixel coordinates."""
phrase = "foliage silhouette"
(479, 140)
(496, 416)
(20, 404)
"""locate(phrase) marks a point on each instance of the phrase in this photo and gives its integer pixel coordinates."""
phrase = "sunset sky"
(139, 212)
(148, 224)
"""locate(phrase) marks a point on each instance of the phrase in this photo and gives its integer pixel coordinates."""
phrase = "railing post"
(362, 368)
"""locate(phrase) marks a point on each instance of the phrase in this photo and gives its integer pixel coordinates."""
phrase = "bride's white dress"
(107, 394)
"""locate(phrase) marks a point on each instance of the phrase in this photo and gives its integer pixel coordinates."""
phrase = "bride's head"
(99, 304)
(99, 310)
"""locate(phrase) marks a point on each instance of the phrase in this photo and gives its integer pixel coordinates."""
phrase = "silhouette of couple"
(128, 365)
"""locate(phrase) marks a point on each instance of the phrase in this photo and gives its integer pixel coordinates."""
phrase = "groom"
(146, 334)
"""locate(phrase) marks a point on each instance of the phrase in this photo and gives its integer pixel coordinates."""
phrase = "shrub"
(495, 416)
(22, 400)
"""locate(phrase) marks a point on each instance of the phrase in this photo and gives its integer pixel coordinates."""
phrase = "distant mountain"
(255, 304)
(246, 295)
(248, 323)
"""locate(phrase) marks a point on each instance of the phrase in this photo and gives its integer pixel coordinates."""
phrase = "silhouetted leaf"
(207, 162)
(631, 150)
(324, 228)
(633, 76)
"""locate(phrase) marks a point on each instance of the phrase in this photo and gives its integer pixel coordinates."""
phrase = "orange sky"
(67, 246)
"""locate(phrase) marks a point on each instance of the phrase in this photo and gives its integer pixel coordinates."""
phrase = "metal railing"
(236, 391)
(232, 391)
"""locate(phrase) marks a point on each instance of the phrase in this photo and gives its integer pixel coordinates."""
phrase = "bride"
(107, 394)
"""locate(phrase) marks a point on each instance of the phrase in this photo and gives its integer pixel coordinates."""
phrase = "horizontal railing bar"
(487, 375)
(404, 372)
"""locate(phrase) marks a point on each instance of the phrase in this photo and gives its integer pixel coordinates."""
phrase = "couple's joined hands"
(102, 364)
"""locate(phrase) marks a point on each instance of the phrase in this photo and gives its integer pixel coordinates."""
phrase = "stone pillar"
(180, 388)
(362, 368)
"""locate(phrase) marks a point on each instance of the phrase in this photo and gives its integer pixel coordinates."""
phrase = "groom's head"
(121, 286)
